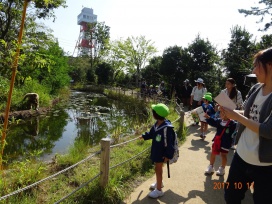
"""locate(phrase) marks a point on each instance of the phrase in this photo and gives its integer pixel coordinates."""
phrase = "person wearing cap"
(233, 93)
(225, 127)
(159, 152)
(208, 109)
(186, 91)
(197, 93)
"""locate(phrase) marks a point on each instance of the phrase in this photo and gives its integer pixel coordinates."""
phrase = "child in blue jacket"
(207, 108)
(225, 127)
(160, 152)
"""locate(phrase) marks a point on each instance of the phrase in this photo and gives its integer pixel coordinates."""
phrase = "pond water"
(87, 117)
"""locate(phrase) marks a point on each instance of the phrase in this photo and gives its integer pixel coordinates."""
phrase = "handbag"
(216, 146)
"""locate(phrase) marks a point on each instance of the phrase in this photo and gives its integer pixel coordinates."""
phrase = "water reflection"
(86, 117)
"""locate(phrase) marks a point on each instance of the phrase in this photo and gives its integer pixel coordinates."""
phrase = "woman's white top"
(238, 100)
(248, 144)
(198, 93)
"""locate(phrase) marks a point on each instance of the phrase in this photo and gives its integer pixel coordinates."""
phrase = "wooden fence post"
(181, 117)
(105, 161)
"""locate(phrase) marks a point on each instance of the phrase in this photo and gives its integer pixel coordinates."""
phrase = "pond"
(87, 117)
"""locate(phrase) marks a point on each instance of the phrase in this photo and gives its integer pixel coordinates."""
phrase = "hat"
(209, 93)
(199, 80)
(186, 80)
(207, 97)
(161, 109)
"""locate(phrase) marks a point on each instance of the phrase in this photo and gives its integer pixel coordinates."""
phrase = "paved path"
(188, 183)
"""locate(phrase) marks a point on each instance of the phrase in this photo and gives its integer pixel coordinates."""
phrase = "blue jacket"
(158, 149)
(208, 109)
(226, 138)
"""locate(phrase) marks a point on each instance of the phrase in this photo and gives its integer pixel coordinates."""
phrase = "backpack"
(176, 147)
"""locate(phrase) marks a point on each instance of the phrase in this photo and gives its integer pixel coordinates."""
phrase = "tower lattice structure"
(85, 43)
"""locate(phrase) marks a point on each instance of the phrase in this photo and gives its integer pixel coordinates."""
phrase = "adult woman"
(197, 93)
(233, 93)
(252, 161)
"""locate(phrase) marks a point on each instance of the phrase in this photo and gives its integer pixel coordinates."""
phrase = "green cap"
(209, 93)
(161, 109)
(208, 97)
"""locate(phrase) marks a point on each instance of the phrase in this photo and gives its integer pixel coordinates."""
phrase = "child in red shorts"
(222, 140)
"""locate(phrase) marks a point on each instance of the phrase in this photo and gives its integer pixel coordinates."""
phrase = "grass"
(122, 179)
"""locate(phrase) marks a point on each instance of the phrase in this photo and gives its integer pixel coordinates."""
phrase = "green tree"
(55, 76)
(37, 41)
(263, 11)
(133, 53)
(104, 72)
(265, 42)
(10, 20)
(201, 59)
(10, 14)
(78, 68)
(98, 35)
(238, 56)
(171, 68)
(151, 72)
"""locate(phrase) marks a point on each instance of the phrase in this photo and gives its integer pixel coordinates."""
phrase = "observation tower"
(85, 43)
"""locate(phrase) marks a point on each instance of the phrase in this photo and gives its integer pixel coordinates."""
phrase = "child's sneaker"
(209, 169)
(201, 135)
(220, 171)
(233, 147)
(154, 185)
(155, 194)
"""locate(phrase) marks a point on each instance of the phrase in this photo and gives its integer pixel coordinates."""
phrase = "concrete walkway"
(188, 183)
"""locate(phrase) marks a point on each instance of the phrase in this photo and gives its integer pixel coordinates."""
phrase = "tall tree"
(201, 59)
(134, 52)
(34, 35)
(151, 72)
(238, 56)
(263, 11)
(104, 73)
(171, 68)
(55, 74)
(78, 68)
(265, 42)
(10, 14)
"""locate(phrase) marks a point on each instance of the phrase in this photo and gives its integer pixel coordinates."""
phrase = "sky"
(166, 23)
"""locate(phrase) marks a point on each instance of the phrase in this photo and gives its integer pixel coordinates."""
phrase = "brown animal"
(32, 100)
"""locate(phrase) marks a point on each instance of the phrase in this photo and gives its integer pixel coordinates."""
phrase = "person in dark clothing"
(159, 152)
(143, 88)
(186, 91)
(224, 129)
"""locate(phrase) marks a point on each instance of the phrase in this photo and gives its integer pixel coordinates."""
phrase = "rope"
(176, 120)
(83, 185)
(124, 142)
(52, 176)
(129, 159)
(77, 189)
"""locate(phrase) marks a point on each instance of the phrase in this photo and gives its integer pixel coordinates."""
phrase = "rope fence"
(104, 164)
(77, 189)
(47, 178)
(130, 158)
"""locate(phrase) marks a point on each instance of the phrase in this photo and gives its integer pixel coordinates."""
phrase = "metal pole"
(14, 69)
